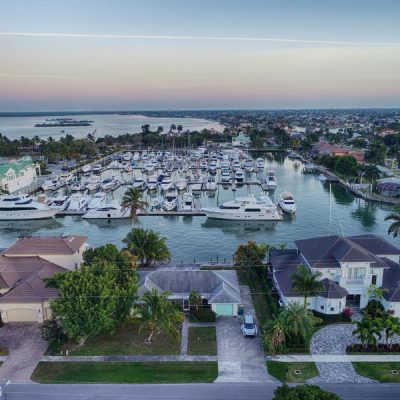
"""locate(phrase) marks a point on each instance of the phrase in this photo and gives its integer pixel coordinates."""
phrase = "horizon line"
(205, 38)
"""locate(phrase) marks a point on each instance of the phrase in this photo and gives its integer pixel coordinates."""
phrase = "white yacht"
(225, 176)
(171, 201)
(166, 184)
(86, 169)
(77, 202)
(212, 167)
(246, 208)
(181, 184)
(93, 183)
(260, 163)
(286, 203)
(197, 184)
(51, 184)
(236, 165)
(96, 169)
(211, 185)
(248, 165)
(155, 205)
(108, 183)
(58, 203)
(17, 208)
(271, 181)
(67, 177)
(112, 210)
(187, 202)
(76, 187)
(152, 183)
(139, 183)
(127, 156)
(239, 176)
(97, 201)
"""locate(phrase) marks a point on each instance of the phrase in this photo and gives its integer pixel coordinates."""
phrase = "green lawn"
(202, 341)
(380, 371)
(120, 372)
(127, 340)
(285, 372)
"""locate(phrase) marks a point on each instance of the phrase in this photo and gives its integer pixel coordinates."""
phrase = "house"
(24, 296)
(324, 148)
(348, 266)
(65, 251)
(241, 140)
(218, 289)
(19, 174)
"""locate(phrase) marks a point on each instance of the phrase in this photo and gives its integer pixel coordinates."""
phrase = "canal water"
(201, 239)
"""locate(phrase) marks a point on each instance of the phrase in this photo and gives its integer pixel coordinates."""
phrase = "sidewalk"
(128, 358)
(336, 358)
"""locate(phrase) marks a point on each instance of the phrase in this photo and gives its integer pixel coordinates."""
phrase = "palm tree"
(368, 331)
(195, 299)
(394, 228)
(133, 199)
(148, 246)
(157, 314)
(391, 326)
(296, 321)
(307, 283)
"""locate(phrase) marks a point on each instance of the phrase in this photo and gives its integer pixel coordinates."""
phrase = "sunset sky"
(182, 54)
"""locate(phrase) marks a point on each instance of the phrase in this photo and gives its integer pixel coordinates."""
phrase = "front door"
(186, 305)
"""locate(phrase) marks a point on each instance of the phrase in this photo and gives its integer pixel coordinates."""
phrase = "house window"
(332, 308)
(373, 279)
(322, 307)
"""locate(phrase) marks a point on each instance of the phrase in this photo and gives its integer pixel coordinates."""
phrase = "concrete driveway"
(26, 348)
(240, 359)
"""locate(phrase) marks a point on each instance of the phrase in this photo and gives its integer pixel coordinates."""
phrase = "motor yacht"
(211, 185)
(108, 183)
(152, 183)
(171, 201)
(111, 210)
(67, 177)
(139, 183)
(181, 184)
(77, 202)
(197, 184)
(286, 203)
(248, 165)
(51, 184)
(86, 169)
(271, 181)
(93, 183)
(155, 205)
(127, 156)
(97, 201)
(260, 163)
(246, 208)
(17, 208)
(187, 202)
(58, 203)
(236, 165)
(96, 169)
(166, 183)
(212, 167)
(76, 187)
(239, 176)
(225, 176)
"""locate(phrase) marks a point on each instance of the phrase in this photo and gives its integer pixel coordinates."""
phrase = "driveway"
(26, 348)
(240, 359)
(333, 340)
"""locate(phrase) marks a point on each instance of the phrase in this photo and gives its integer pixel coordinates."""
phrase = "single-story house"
(65, 251)
(219, 289)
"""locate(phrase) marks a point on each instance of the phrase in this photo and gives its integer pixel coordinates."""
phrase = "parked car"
(280, 302)
(249, 326)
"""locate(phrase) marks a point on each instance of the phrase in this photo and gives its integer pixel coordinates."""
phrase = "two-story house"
(348, 267)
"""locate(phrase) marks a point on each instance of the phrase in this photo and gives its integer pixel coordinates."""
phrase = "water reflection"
(240, 228)
(341, 195)
(365, 213)
(28, 227)
(109, 223)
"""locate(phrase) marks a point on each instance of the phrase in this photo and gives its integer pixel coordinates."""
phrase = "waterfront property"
(18, 174)
(348, 267)
(218, 289)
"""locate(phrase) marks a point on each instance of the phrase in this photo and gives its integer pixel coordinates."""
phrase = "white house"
(349, 265)
(64, 251)
(241, 140)
(19, 174)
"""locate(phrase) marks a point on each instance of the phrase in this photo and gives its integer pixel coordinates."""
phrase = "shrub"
(348, 313)
(204, 314)
(303, 392)
(374, 309)
(53, 333)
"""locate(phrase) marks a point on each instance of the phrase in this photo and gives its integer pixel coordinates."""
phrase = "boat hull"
(24, 215)
(236, 216)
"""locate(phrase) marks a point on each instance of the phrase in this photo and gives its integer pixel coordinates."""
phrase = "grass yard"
(120, 372)
(202, 341)
(285, 372)
(127, 340)
(380, 371)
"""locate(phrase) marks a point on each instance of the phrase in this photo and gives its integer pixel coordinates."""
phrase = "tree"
(370, 172)
(376, 152)
(172, 128)
(251, 254)
(148, 246)
(346, 165)
(303, 392)
(133, 199)
(367, 331)
(52, 332)
(157, 314)
(296, 321)
(391, 327)
(273, 336)
(394, 228)
(195, 299)
(307, 283)
(93, 299)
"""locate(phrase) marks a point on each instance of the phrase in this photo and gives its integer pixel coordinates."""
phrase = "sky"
(198, 54)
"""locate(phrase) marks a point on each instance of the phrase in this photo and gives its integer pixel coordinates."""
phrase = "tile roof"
(391, 281)
(217, 286)
(27, 279)
(63, 245)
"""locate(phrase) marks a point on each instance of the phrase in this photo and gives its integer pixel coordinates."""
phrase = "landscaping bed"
(202, 341)
(125, 372)
(380, 371)
(202, 315)
(372, 348)
(126, 340)
(286, 372)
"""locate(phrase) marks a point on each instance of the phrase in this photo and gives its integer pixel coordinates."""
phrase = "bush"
(53, 333)
(374, 309)
(203, 315)
(374, 348)
(332, 318)
(303, 392)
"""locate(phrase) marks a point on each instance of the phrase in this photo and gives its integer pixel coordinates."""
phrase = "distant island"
(63, 122)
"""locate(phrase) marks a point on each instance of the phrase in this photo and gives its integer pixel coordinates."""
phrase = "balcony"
(351, 282)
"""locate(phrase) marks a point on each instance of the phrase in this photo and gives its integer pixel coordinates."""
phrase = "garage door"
(22, 315)
(224, 309)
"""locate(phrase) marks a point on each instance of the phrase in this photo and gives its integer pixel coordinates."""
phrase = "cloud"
(199, 38)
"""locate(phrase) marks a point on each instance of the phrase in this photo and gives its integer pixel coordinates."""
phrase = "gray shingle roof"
(375, 244)
(332, 290)
(391, 281)
(216, 286)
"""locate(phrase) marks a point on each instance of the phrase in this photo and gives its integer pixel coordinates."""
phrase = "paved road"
(231, 391)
